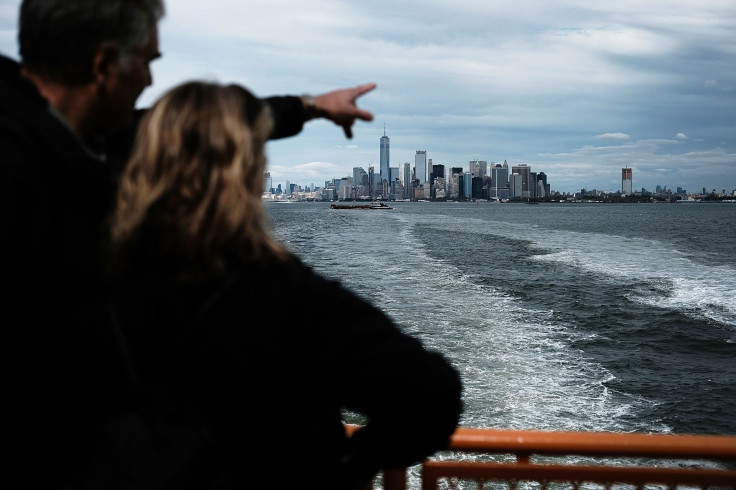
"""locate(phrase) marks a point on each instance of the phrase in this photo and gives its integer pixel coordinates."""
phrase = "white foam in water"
(697, 290)
(518, 367)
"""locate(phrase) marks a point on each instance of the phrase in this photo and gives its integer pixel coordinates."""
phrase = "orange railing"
(537, 459)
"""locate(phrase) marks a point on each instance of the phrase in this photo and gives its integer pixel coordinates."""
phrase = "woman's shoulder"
(283, 275)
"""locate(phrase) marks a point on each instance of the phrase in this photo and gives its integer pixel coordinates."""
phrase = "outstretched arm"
(290, 112)
(339, 106)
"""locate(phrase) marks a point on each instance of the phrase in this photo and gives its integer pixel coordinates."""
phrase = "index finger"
(363, 89)
(363, 114)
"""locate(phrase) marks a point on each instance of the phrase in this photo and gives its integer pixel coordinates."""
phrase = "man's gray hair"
(58, 38)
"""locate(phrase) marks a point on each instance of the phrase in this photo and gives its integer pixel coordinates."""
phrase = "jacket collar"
(22, 104)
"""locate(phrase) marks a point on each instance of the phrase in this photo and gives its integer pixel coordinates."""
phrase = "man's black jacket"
(55, 200)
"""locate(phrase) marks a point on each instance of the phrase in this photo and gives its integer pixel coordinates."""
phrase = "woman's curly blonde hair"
(190, 196)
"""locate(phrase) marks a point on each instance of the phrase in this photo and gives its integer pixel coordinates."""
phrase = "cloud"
(314, 167)
(305, 172)
(613, 136)
(486, 80)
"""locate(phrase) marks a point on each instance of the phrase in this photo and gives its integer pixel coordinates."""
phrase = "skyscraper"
(267, 182)
(542, 185)
(372, 180)
(455, 184)
(626, 183)
(499, 178)
(384, 156)
(515, 185)
(435, 172)
(420, 166)
(467, 189)
(407, 179)
(360, 177)
(478, 168)
(525, 172)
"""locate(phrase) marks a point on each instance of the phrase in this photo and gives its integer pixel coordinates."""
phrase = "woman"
(191, 253)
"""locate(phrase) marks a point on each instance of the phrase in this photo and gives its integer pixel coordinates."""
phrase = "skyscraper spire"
(384, 165)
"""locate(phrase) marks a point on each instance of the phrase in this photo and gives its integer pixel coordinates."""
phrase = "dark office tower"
(626, 182)
(372, 181)
(524, 171)
(476, 187)
(407, 179)
(436, 172)
(457, 172)
(420, 166)
(542, 186)
(499, 178)
(541, 176)
(384, 156)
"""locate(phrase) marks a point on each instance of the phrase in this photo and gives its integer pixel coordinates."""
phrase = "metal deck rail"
(490, 458)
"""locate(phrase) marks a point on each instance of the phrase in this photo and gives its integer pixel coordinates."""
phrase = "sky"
(575, 89)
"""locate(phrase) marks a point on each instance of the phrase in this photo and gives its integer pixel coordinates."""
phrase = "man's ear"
(105, 63)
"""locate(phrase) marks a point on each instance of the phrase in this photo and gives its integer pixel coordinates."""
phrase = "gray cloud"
(613, 136)
(573, 88)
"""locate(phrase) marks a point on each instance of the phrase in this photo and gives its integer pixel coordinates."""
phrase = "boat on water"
(373, 205)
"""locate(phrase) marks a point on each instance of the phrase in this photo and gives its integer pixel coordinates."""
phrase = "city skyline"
(421, 171)
(580, 89)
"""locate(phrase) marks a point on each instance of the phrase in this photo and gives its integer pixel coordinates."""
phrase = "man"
(66, 123)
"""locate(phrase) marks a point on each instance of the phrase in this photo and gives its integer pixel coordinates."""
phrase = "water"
(600, 317)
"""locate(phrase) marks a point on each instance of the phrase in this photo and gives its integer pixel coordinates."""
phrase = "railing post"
(394, 479)
(646, 459)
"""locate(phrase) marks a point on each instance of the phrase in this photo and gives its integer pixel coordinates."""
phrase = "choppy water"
(614, 317)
